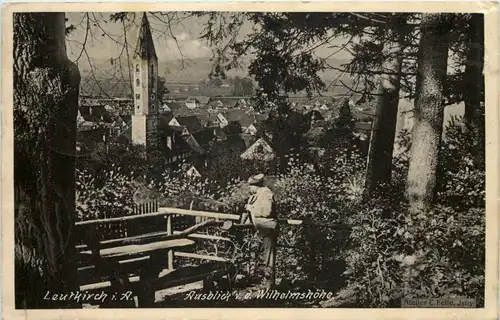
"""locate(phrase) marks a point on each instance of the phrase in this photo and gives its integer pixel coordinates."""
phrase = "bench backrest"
(147, 219)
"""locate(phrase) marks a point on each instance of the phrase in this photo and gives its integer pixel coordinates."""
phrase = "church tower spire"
(145, 47)
(145, 117)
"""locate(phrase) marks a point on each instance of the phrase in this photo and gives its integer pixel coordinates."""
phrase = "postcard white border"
(490, 9)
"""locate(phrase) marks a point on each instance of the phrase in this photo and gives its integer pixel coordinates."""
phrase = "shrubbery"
(439, 253)
(461, 180)
(436, 254)
(111, 195)
(390, 254)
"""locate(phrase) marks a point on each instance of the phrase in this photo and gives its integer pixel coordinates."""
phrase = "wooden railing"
(159, 219)
(154, 220)
(173, 221)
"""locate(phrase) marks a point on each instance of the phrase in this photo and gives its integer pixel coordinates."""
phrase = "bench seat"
(172, 278)
(143, 263)
(141, 249)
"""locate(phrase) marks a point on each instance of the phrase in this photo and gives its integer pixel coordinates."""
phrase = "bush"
(440, 253)
(390, 253)
(461, 181)
(437, 254)
(303, 192)
(177, 185)
(110, 196)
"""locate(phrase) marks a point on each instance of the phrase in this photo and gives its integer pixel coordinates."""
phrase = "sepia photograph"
(249, 159)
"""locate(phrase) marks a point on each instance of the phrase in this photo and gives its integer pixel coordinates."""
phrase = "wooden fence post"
(170, 256)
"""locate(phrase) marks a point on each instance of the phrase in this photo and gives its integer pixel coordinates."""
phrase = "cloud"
(188, 48)
(183, 36)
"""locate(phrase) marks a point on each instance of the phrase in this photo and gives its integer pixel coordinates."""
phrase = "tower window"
(137, 96)
(137, 82)
(153, 97)
(152, 107)
(137, 68)
(152, 70)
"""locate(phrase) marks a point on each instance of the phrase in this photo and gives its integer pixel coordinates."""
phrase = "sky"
(105, 39)
(185, 31)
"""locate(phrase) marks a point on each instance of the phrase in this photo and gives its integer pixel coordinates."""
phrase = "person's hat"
(256, 179)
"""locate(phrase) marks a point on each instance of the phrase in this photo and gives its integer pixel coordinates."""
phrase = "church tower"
(145, 117)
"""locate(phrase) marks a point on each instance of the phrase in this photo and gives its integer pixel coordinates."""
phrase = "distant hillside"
(112, 80)
(193, 70)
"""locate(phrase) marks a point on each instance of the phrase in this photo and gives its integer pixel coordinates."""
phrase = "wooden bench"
(143, 263)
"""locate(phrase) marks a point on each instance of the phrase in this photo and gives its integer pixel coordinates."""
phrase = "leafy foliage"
(439, 253)
(285, 130)
(387, 255)
(110, 196)
(391, 253)
(242, 87)
(461, 183)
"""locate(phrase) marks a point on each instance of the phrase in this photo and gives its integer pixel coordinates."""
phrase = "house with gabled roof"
(251, 129)
(204, 100)
(234, 143)
(89, 102)
(126, 118)
(257, 126)
(164, 118)
(192, 123)
(178, 143)
(193, 172)
(241, 116)
(194, 144)
(222, 120)
(91, 139)
(306, 107)
(176, 150)
(119, 122)
(248, 139)
(177, 108)
(213, 120)
(314, 115)
(217, 104)
(165, 108)
(260, 150)
(222, 103)
(219, 134)
(176, 147)
(94, 113)
(194, 102)
(182, 130)
(205, 138)
(241, 103)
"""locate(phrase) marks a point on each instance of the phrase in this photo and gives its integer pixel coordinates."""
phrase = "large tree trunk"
(428, 112)
(45, 108)
(379, 166)
(474, 84)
